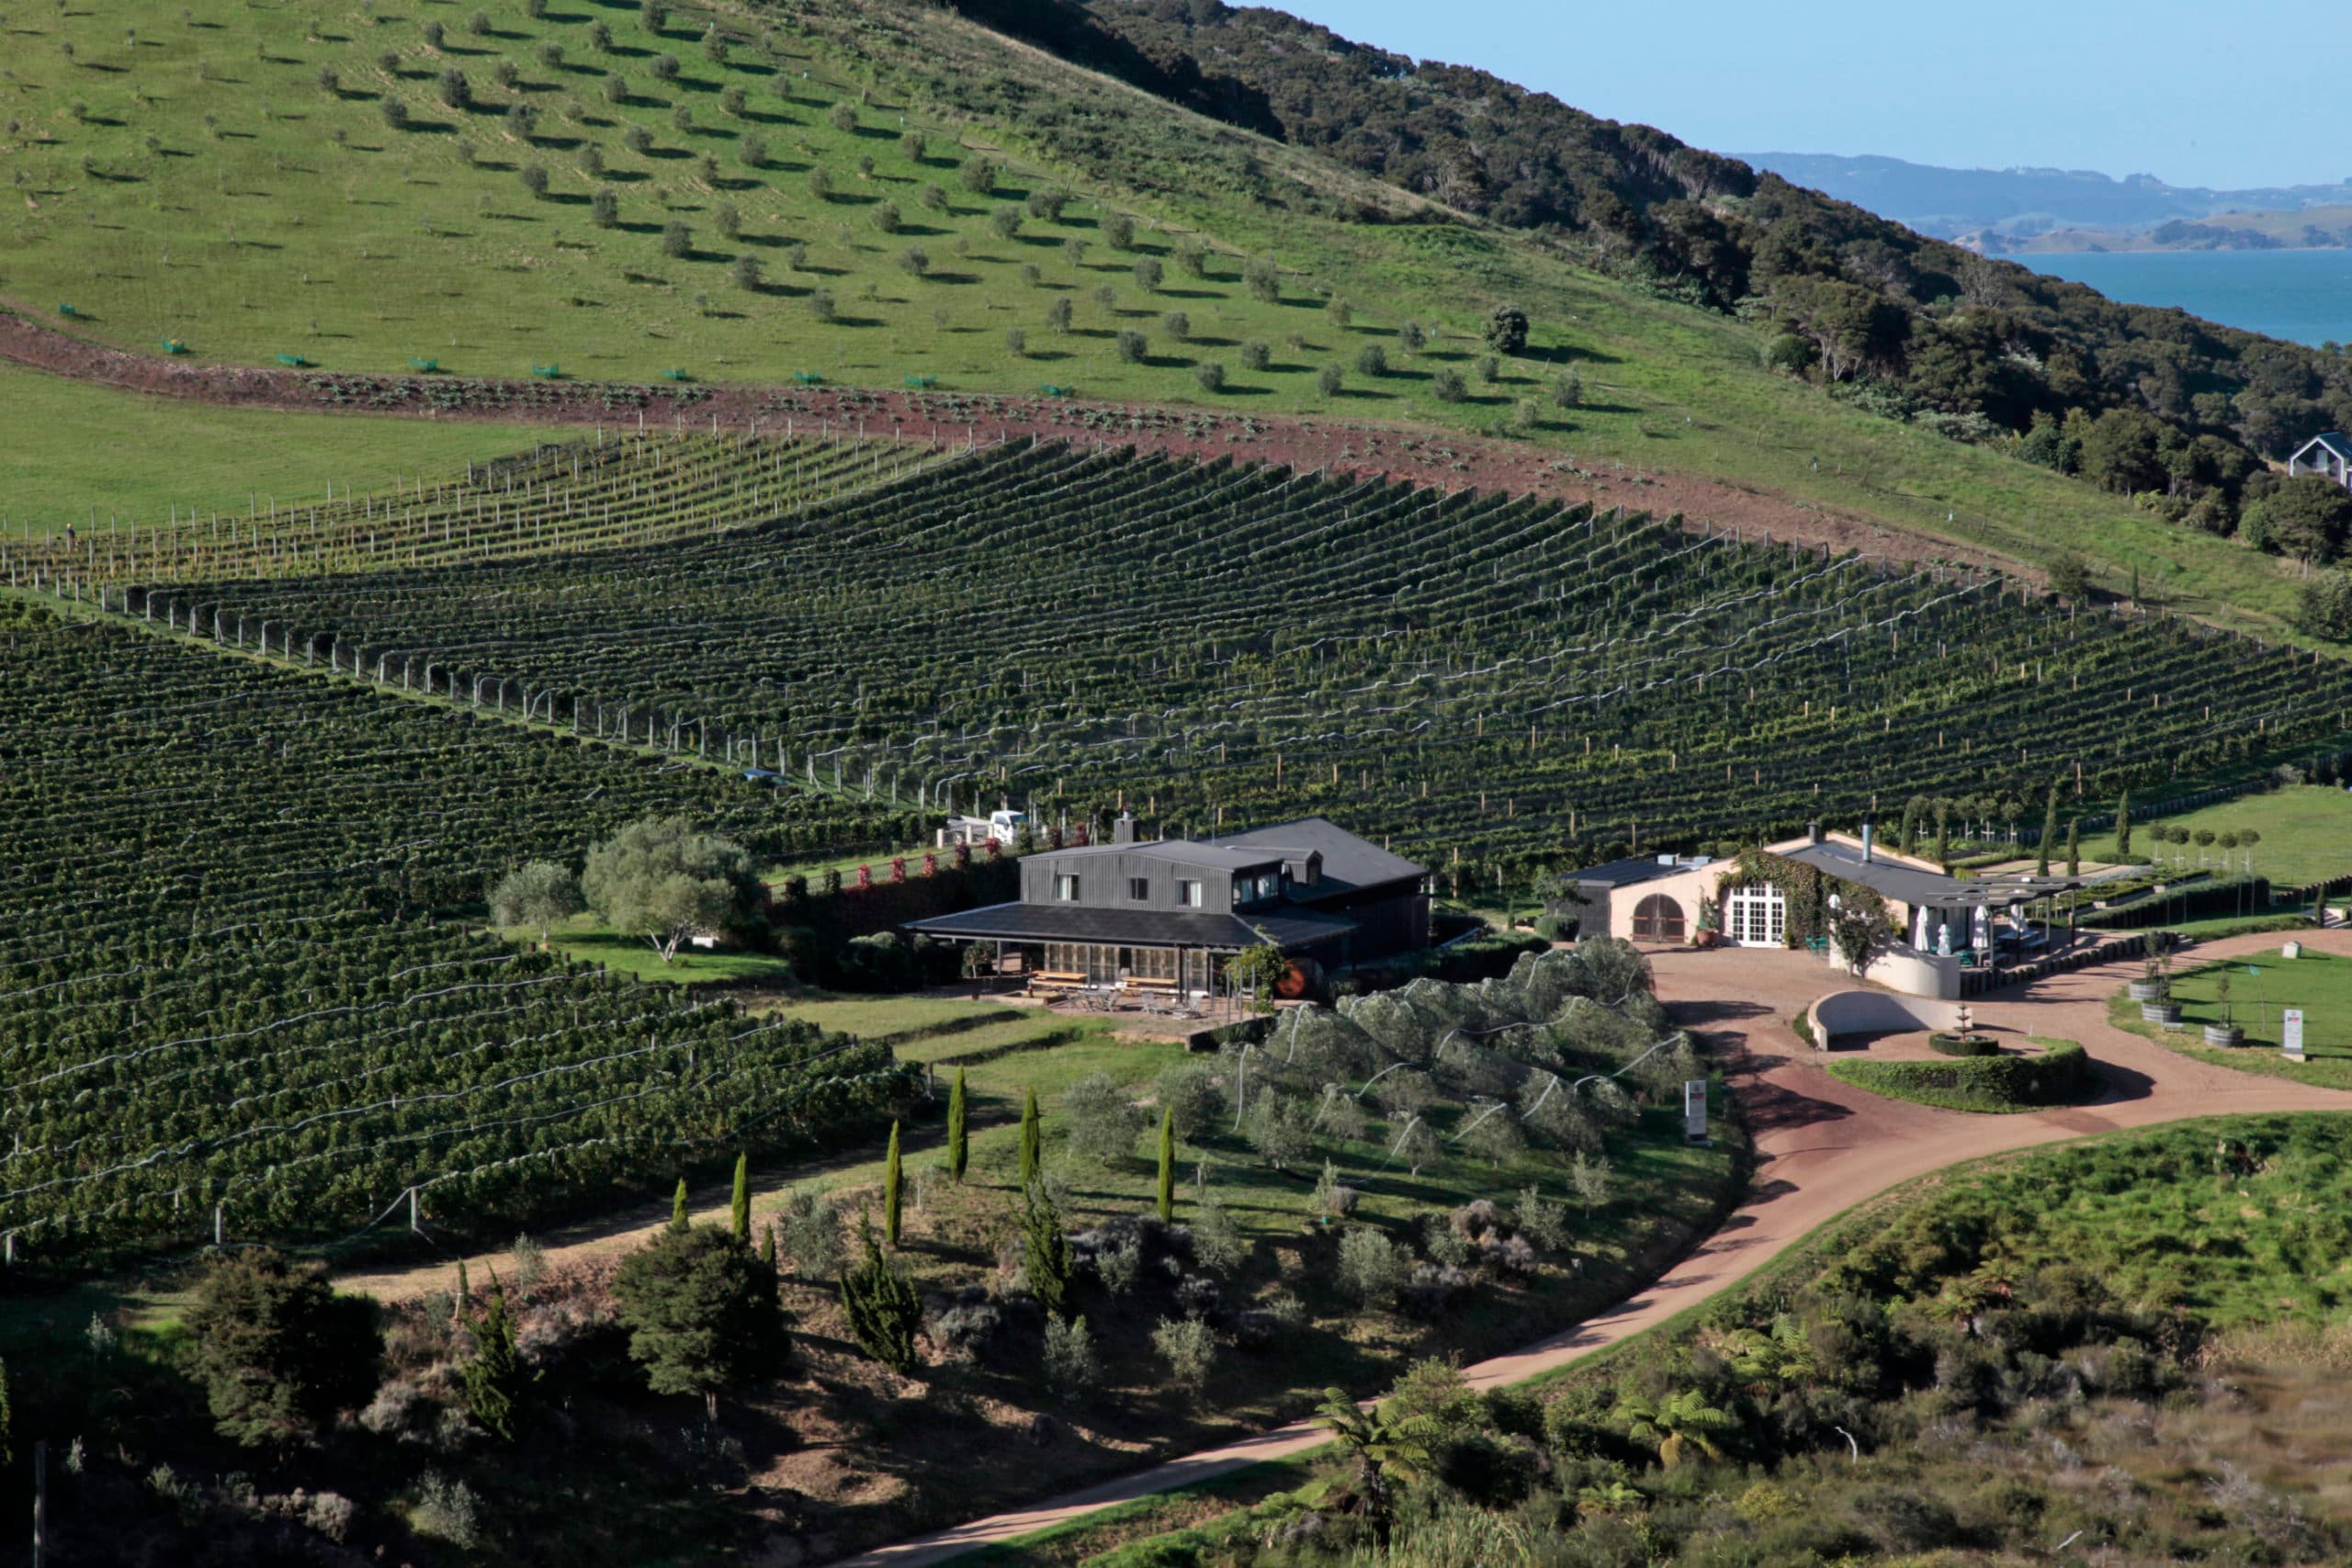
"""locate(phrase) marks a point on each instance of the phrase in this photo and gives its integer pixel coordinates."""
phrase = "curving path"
(1821, 1147)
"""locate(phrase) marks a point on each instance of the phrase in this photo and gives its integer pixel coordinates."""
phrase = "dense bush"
(2059, 1076)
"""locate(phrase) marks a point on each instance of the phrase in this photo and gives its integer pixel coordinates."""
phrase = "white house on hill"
(2328, 455)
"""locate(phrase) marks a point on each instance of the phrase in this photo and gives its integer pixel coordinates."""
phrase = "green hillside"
(232, 180)
(104, 453)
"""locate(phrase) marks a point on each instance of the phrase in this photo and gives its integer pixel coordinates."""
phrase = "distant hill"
(2010, 205)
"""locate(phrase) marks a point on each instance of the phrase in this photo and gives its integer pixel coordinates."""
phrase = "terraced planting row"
(612, 490)
(227, 980)
(1504, 679)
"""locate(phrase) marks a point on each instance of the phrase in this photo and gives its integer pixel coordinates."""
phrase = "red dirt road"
(1821, 1147)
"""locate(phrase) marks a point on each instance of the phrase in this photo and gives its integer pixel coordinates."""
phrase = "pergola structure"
(1941, 915)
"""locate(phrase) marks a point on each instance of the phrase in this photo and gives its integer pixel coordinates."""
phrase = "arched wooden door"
(1658, 919)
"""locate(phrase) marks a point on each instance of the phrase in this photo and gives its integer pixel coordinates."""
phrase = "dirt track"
(1822, 1146)
(1364, 449)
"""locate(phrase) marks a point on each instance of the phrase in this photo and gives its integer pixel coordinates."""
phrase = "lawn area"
(131, 455)
(782, 210)
(901, 1019)
(582, 940)
(2261, 989)
(2306, 835)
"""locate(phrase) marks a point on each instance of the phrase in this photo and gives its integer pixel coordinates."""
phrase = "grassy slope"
(2306, 835)
(212, 191)
(76, 449)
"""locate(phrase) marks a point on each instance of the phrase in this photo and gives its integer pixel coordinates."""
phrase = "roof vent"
(1123, 831)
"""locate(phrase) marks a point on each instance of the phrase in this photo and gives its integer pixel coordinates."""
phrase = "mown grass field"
(582, 939)
(226, 178)
(2262, 986)
(89, 456)
(2306, 836)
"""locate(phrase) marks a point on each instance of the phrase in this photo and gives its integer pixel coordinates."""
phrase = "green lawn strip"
(582, 941)
(304, 224)
(2306, 835)
(1980, 1084)
(907, 1022)
(2262, 986)
(104, 459)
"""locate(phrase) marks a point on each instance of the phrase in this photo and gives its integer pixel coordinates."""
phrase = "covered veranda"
(1142, 960)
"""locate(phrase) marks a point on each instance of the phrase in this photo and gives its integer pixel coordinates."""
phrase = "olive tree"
(664, 880)
(541, 895)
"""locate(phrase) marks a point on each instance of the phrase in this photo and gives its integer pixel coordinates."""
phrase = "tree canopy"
(277, 1351)
(701, 1312)
(540, 895)
(665, 880)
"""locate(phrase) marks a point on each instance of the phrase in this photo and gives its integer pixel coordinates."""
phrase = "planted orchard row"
(230, 979)
(1507, 677)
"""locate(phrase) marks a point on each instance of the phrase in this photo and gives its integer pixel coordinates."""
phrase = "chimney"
(1812, 831)
(1123, 831)
(1866, 840)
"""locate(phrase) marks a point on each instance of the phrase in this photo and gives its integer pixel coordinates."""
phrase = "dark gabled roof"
(1136, 927)
(2335, 441)
(1349, 862)
(1626, 872)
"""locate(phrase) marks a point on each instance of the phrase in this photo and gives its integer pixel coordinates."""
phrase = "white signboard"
(1694, 1110)
(2290, 1041)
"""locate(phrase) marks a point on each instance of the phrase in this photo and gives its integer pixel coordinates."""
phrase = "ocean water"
(2303, 295)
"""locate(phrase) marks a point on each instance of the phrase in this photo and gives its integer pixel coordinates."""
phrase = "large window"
(1139, 888)
(1188, 893)
(1756, 916)
(1066, 886)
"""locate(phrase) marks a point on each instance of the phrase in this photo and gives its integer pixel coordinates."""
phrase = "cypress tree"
(1167, 1164)
(2049, 828)
(893, 1180)
(495, 1379)
(1029, 1136)
(743, 1198)
(2123, 826)
(767, 1245)
(959, 1148)
(678, 1220)
(882, 1308)
(2074, 847)
(1046, 1252)
(465, 1292)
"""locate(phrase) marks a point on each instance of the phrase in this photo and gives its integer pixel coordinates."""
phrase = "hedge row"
(2060, 1075)
(2218, 896)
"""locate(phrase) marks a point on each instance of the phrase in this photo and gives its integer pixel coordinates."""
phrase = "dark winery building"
(1172, 910)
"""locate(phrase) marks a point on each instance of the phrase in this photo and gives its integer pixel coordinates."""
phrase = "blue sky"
(2197, 94)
